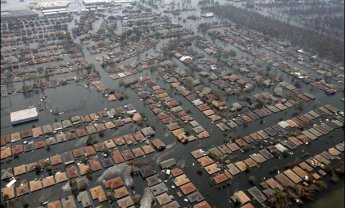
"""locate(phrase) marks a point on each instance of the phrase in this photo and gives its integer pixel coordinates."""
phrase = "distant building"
(208, 14)
(93, 2)
(17, 14)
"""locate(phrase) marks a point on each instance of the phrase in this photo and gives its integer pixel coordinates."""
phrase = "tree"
(298, 84)
(279, 199)
(232, 53)
(5, 197)
(110, 196)
(83, 159)
(248, 168)
(247, 147)
(38, 169)
(199, 172)
(77, 186)
(90, 141)
(24, 88)
(136, 199)
(340, 171)
(24, 202)
(300, 105)
(89, 173)
(101, 133)
(252, 180)
(46, 164)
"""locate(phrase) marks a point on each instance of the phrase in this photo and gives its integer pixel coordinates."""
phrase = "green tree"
(90, 140)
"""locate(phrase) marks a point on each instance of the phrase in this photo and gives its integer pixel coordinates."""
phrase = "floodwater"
(333, 198)
(280, 13)
(18, 5)
(89, 100)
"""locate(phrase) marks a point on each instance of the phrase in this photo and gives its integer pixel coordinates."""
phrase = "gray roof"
(176, 109)
(168, 163)
(66, 123)
(47, 128)
(68, 202)
(257, 194)
(159, 189)
(148, 131)
(5, 174)
(194, 123)
(67, 157)
(75, 119)
(84, 198)
(195, 197)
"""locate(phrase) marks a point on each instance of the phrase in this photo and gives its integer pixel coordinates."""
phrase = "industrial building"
(25, 115)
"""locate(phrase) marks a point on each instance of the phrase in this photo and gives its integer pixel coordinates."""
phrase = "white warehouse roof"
(24, 115)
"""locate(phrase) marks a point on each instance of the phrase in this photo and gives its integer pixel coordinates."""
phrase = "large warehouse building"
(25, 115)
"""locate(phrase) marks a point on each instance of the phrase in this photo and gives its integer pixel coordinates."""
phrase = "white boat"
(11, 183)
